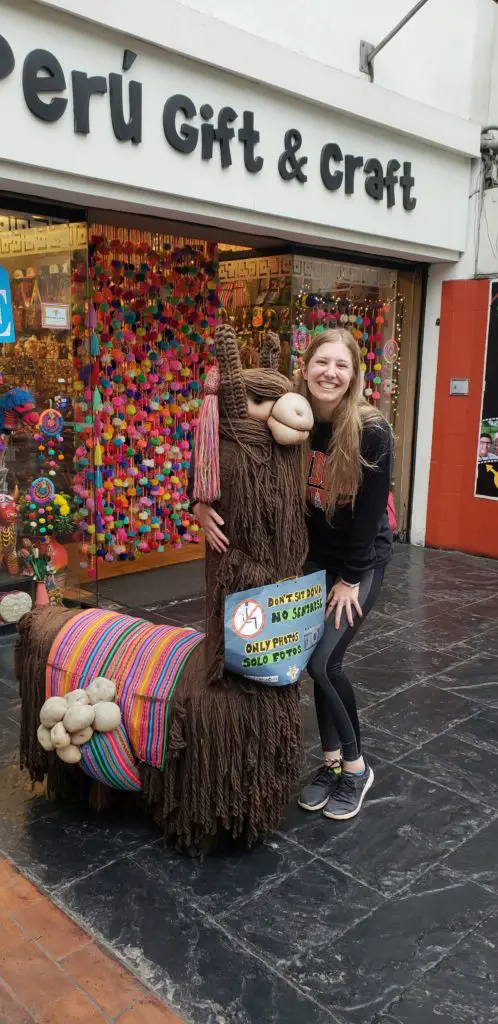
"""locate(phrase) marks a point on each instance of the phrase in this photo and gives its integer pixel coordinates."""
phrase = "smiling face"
(328, 375)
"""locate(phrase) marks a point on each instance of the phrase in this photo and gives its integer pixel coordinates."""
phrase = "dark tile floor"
(389, 919)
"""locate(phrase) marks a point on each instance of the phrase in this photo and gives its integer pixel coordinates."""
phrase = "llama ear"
(269, 356)
(232, 388)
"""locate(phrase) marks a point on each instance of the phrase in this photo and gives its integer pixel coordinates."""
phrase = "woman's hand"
(211, 522)
(343, 598)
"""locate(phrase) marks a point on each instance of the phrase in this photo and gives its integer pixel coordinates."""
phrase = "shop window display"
(142, 344)
(256, 296)
(298, 295)
(37, 521)
(366, 302)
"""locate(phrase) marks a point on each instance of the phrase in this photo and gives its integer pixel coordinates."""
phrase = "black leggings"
(334, 698)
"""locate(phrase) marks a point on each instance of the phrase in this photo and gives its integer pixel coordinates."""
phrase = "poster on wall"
(487, 454)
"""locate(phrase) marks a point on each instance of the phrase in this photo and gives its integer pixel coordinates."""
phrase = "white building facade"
(251, 123)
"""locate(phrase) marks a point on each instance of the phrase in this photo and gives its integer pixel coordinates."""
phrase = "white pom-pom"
(101, 689)
(107, 716)
(76, 697)
(14, 604)
(44, 738)
(78, 717)
(81, 737)
(53, 711)
(59, 736)
(70, 754)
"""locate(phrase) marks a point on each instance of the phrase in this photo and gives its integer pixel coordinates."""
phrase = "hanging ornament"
(42, 491)
(390, 350)
(50, 422)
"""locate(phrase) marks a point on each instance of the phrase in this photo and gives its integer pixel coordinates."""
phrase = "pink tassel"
(207, 455)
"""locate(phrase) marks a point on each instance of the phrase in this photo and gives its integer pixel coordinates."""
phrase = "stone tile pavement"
(391, 918)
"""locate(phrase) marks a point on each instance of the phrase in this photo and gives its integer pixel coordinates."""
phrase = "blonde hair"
(344, 461)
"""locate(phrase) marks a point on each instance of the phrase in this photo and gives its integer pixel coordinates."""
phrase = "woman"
(348, 479)
(347, 490)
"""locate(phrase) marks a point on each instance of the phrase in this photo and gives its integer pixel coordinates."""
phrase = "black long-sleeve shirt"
(358, 538)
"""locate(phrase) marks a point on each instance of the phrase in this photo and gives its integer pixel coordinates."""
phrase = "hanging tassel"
(97, 400)
(94, 344)
(98, 480)
(207, 455)
(97, 454)
(91, 316)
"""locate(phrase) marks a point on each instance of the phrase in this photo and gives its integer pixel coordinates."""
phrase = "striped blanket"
(143, 660)
(108, 758)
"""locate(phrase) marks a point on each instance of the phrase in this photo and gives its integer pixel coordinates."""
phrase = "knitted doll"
(231, 745)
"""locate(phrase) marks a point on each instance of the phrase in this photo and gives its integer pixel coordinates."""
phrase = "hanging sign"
(271, 632)
(7, 333)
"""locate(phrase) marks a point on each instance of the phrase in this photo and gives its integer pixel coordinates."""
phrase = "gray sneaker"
(348, 795)
(319, 790)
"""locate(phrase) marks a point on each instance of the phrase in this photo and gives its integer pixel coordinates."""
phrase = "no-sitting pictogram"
(248, 619)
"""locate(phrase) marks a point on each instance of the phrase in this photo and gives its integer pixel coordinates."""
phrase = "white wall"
(435, 59)
(464, 269)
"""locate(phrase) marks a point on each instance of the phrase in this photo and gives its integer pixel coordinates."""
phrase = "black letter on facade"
(407, 181)
(7, 59)
(129, 58)
(83, 89)
(208, 133)
(390, 181)
(331, 152)
(289, 165)
(374, 185)
(53, 81)
(250, 137)
(131, 129)
(187, 140)
(353, 163)
(224, 134)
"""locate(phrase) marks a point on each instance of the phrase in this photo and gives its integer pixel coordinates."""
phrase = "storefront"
(275, 215)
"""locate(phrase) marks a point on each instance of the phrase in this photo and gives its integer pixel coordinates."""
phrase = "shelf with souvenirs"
(255, 295)
(36, 430)
(41, 301)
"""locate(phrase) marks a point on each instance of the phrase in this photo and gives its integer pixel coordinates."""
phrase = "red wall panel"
(455, 518)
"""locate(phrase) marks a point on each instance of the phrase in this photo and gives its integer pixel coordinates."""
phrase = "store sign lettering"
(187, 129)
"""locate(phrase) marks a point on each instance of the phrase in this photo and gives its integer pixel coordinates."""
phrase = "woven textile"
(108, 758)
(143, 660)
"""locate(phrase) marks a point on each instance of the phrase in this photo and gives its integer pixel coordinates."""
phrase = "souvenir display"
(8, 533)
(214, 756)
(37, 564)
(142, 344)
(255, 296)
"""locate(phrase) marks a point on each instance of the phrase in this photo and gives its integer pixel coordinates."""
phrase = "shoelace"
(326, 770)
(346, 788)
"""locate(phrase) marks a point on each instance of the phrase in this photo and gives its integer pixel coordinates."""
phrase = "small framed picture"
(56, 316)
